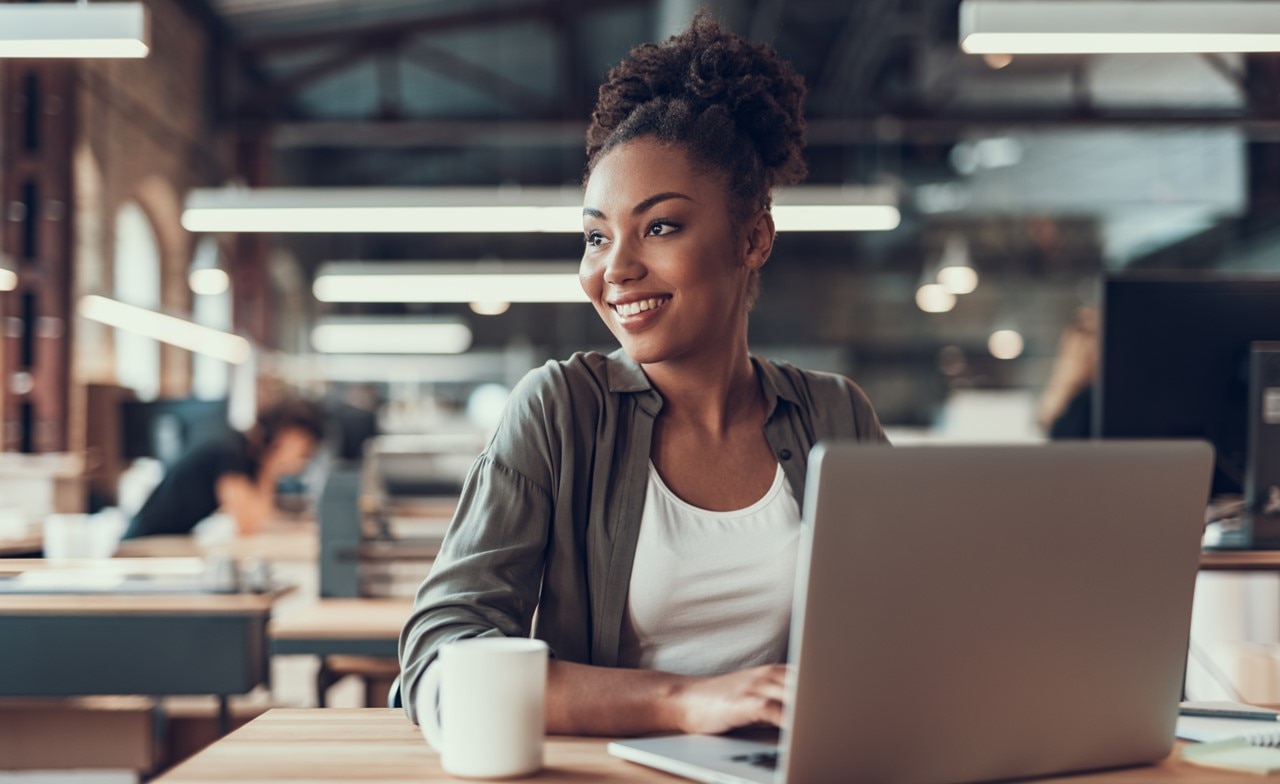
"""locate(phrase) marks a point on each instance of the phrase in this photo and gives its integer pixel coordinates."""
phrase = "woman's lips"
(640, 313)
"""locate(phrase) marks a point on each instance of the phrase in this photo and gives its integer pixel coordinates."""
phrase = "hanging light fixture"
(207, 277)
(74, 30)
(955, 270)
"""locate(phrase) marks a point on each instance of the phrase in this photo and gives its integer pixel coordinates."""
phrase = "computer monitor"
(164, 429)
(1175, 361)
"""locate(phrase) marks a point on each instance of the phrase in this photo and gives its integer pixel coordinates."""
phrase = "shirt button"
(785, 454)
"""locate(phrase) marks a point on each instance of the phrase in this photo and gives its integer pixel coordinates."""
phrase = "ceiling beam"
(856, 55)
(436, 23)
(457, 69)
(265, 101)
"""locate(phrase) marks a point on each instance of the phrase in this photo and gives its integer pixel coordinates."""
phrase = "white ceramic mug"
(482, 705)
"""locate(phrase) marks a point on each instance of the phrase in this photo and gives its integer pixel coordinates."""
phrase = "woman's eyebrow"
(639, 209)
(657, 199)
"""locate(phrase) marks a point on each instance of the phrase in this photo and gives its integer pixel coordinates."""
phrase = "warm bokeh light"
(490, 308)
(209, 282)
(934, 298)
(958, 280)
(1006, 344)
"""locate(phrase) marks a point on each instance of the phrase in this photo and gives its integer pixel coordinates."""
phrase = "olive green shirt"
(550, 512)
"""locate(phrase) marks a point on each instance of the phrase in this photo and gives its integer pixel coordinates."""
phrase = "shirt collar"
(775, 385)
(626, 375)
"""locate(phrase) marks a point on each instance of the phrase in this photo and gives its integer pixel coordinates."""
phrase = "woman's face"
(663, 265)
(291, 450)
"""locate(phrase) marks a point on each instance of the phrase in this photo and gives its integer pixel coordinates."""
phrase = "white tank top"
(711, 591)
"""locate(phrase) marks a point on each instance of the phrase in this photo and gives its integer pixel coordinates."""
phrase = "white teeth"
(634, 308)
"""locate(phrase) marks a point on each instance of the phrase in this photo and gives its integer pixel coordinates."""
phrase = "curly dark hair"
(735, 106)
(292, 414)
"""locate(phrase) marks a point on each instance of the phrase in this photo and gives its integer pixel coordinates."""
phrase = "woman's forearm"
(587, 700)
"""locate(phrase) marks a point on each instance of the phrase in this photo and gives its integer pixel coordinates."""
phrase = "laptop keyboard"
(764, 759)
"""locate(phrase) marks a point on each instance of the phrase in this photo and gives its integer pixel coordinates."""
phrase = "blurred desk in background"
(292, 541)
(352, 637)
(357, 627)
(60, 642)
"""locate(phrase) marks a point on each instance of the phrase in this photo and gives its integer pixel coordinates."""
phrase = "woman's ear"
(757, 243)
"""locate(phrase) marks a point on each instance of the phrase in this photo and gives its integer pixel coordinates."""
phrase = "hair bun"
(712, 71)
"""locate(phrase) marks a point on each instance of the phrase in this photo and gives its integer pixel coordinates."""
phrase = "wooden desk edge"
(139, 604)
(1240, 560)
(570, 758)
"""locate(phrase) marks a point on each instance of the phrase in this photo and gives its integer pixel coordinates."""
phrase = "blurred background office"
(374, 204)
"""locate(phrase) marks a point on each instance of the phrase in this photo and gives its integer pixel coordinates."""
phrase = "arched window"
(210, 306)
(137, 282)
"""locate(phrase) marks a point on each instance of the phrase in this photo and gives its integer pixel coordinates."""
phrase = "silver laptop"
(978, 613)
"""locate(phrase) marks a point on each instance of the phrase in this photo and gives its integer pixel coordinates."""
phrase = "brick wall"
(144, 135)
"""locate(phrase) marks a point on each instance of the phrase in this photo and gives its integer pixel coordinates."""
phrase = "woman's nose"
(623, 264)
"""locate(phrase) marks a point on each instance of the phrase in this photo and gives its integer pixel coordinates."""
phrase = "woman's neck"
(710, 393)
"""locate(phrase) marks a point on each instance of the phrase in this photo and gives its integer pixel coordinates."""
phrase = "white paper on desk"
(1206, 728)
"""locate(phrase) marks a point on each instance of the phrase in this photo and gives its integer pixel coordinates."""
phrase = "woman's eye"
(660, 228)
(594, 238)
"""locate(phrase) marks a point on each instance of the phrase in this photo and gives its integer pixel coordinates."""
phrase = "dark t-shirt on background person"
(1076, 420)
(189, 491)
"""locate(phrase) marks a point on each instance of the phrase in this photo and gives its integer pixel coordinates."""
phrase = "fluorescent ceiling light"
(400, 210)
(353, 281)
(166, 329)
(76, 30)
(390, 336)
(836, 208)
(1107, 26)
(487, 210)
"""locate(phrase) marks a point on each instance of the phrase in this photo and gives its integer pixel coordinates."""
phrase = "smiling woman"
(646, 503)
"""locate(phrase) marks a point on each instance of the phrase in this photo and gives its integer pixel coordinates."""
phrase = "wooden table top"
(342, 619)
(293, 541)
(138, 604)
(329, 746)
(1240, 560)
(150, 567)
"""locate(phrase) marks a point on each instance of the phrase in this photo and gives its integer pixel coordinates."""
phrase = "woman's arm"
(249, 502)
(587, 700)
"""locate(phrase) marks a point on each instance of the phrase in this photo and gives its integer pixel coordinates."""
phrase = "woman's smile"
(635, 313)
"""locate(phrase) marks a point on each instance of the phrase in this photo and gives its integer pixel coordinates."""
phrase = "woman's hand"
(712, 705)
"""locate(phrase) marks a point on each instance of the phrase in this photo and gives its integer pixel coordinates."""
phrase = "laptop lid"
(978, 613)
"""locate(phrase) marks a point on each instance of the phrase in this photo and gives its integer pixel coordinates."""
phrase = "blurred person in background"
(236, 473)
(645, 502)
(1066, 407)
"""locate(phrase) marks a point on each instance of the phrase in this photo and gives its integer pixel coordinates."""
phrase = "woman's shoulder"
(835, 402)
(555, 408)
(822, 386)
(567, 393)
(560, 383)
